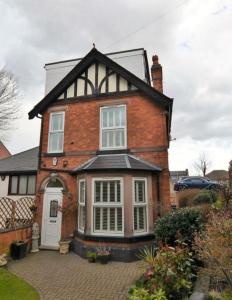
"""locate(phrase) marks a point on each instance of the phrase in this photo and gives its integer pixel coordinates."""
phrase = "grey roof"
(26, 161)
(117, 162)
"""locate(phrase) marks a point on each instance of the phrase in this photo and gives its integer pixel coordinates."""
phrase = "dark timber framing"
(93, 56)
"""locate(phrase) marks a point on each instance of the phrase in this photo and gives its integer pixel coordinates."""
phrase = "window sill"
(52, 154)
(112, 151)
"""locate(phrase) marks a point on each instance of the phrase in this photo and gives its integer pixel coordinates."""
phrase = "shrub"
(169, 275)
(205, 197)
(181, 224)
(214, 245)
(185, 198)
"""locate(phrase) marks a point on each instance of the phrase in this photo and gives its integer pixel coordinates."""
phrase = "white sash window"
(113, 127)
(108, 206)
(56, 132)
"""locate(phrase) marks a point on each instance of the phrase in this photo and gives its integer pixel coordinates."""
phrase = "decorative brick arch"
(53, 176)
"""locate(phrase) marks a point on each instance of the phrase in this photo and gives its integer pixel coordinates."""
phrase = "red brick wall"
(3, 151)
(146, 128)
(6, 238)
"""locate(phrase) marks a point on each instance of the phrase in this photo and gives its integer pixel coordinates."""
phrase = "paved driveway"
(59, 277)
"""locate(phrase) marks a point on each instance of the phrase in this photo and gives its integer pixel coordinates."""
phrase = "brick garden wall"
(9, 236)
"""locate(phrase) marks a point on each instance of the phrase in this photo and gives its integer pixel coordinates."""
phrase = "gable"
(69, 84)
(96, 79)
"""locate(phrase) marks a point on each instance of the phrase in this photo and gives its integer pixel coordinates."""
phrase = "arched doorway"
(52, 216)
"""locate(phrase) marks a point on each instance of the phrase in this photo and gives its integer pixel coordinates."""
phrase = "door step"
(44, 247)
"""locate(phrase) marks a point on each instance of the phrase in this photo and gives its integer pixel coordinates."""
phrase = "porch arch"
(53, 180)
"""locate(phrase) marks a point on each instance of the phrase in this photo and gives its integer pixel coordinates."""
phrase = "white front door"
(52, 218)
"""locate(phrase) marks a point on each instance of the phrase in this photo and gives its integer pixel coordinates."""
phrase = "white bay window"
(140, 205)
(113, 127)
(56, 132)
(108, 206)
(81, 205)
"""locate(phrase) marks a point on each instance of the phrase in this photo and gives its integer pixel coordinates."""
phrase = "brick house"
(103, 153)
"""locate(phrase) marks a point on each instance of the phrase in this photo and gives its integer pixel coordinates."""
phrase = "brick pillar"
(157, 74)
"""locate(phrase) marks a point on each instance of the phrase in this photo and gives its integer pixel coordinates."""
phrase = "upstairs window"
(113, 127)
(56, 132)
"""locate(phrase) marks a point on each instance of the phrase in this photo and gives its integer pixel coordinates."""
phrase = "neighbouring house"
(174, 177)
(103, 175)
(4, 152)
(222, 176)
(18, 174)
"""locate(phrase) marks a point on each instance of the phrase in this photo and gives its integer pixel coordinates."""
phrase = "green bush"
(205, 197)
(181, 224)
(169, 275)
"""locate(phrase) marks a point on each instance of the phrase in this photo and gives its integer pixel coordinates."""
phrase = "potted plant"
(103, 255)
(92, 256)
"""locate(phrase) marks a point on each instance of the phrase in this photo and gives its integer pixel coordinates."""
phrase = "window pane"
(97, 191)
(135, 219)
(23, 185)
(118, 191)
(112, 219)
(112, 191)
(141, 218)
(97, 224)
(111, 138)
(56, 142)
(122, 113)
(14, 182)
(105, 218)
(104, 191)
(104, 138)
(57, 122)
(111, 117)
(119, 219)
(53, 208)
(31, 185)
(81, 217)
(104, 118)
(82, 192)
(140, 192)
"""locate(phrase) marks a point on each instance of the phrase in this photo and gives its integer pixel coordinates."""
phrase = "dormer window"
(56, 132)
(113, 127)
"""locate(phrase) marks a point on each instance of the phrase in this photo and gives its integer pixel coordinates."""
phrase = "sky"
(192, 38)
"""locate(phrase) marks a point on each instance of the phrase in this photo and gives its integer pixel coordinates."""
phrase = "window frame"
(56, 131)
(81, 204)
(124, 127)
(106, 205)
(18, 184)
(142, 204)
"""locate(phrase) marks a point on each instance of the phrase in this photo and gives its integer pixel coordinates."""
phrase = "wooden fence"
(15, 213)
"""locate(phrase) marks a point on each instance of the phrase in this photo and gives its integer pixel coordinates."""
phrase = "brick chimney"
(157, 74)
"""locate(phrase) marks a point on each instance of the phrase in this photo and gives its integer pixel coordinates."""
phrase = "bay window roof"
(117, 162)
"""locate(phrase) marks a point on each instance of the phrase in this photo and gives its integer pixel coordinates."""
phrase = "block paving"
(70, 277)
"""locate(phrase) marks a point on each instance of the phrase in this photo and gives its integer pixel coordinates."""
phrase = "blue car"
(195, 182)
